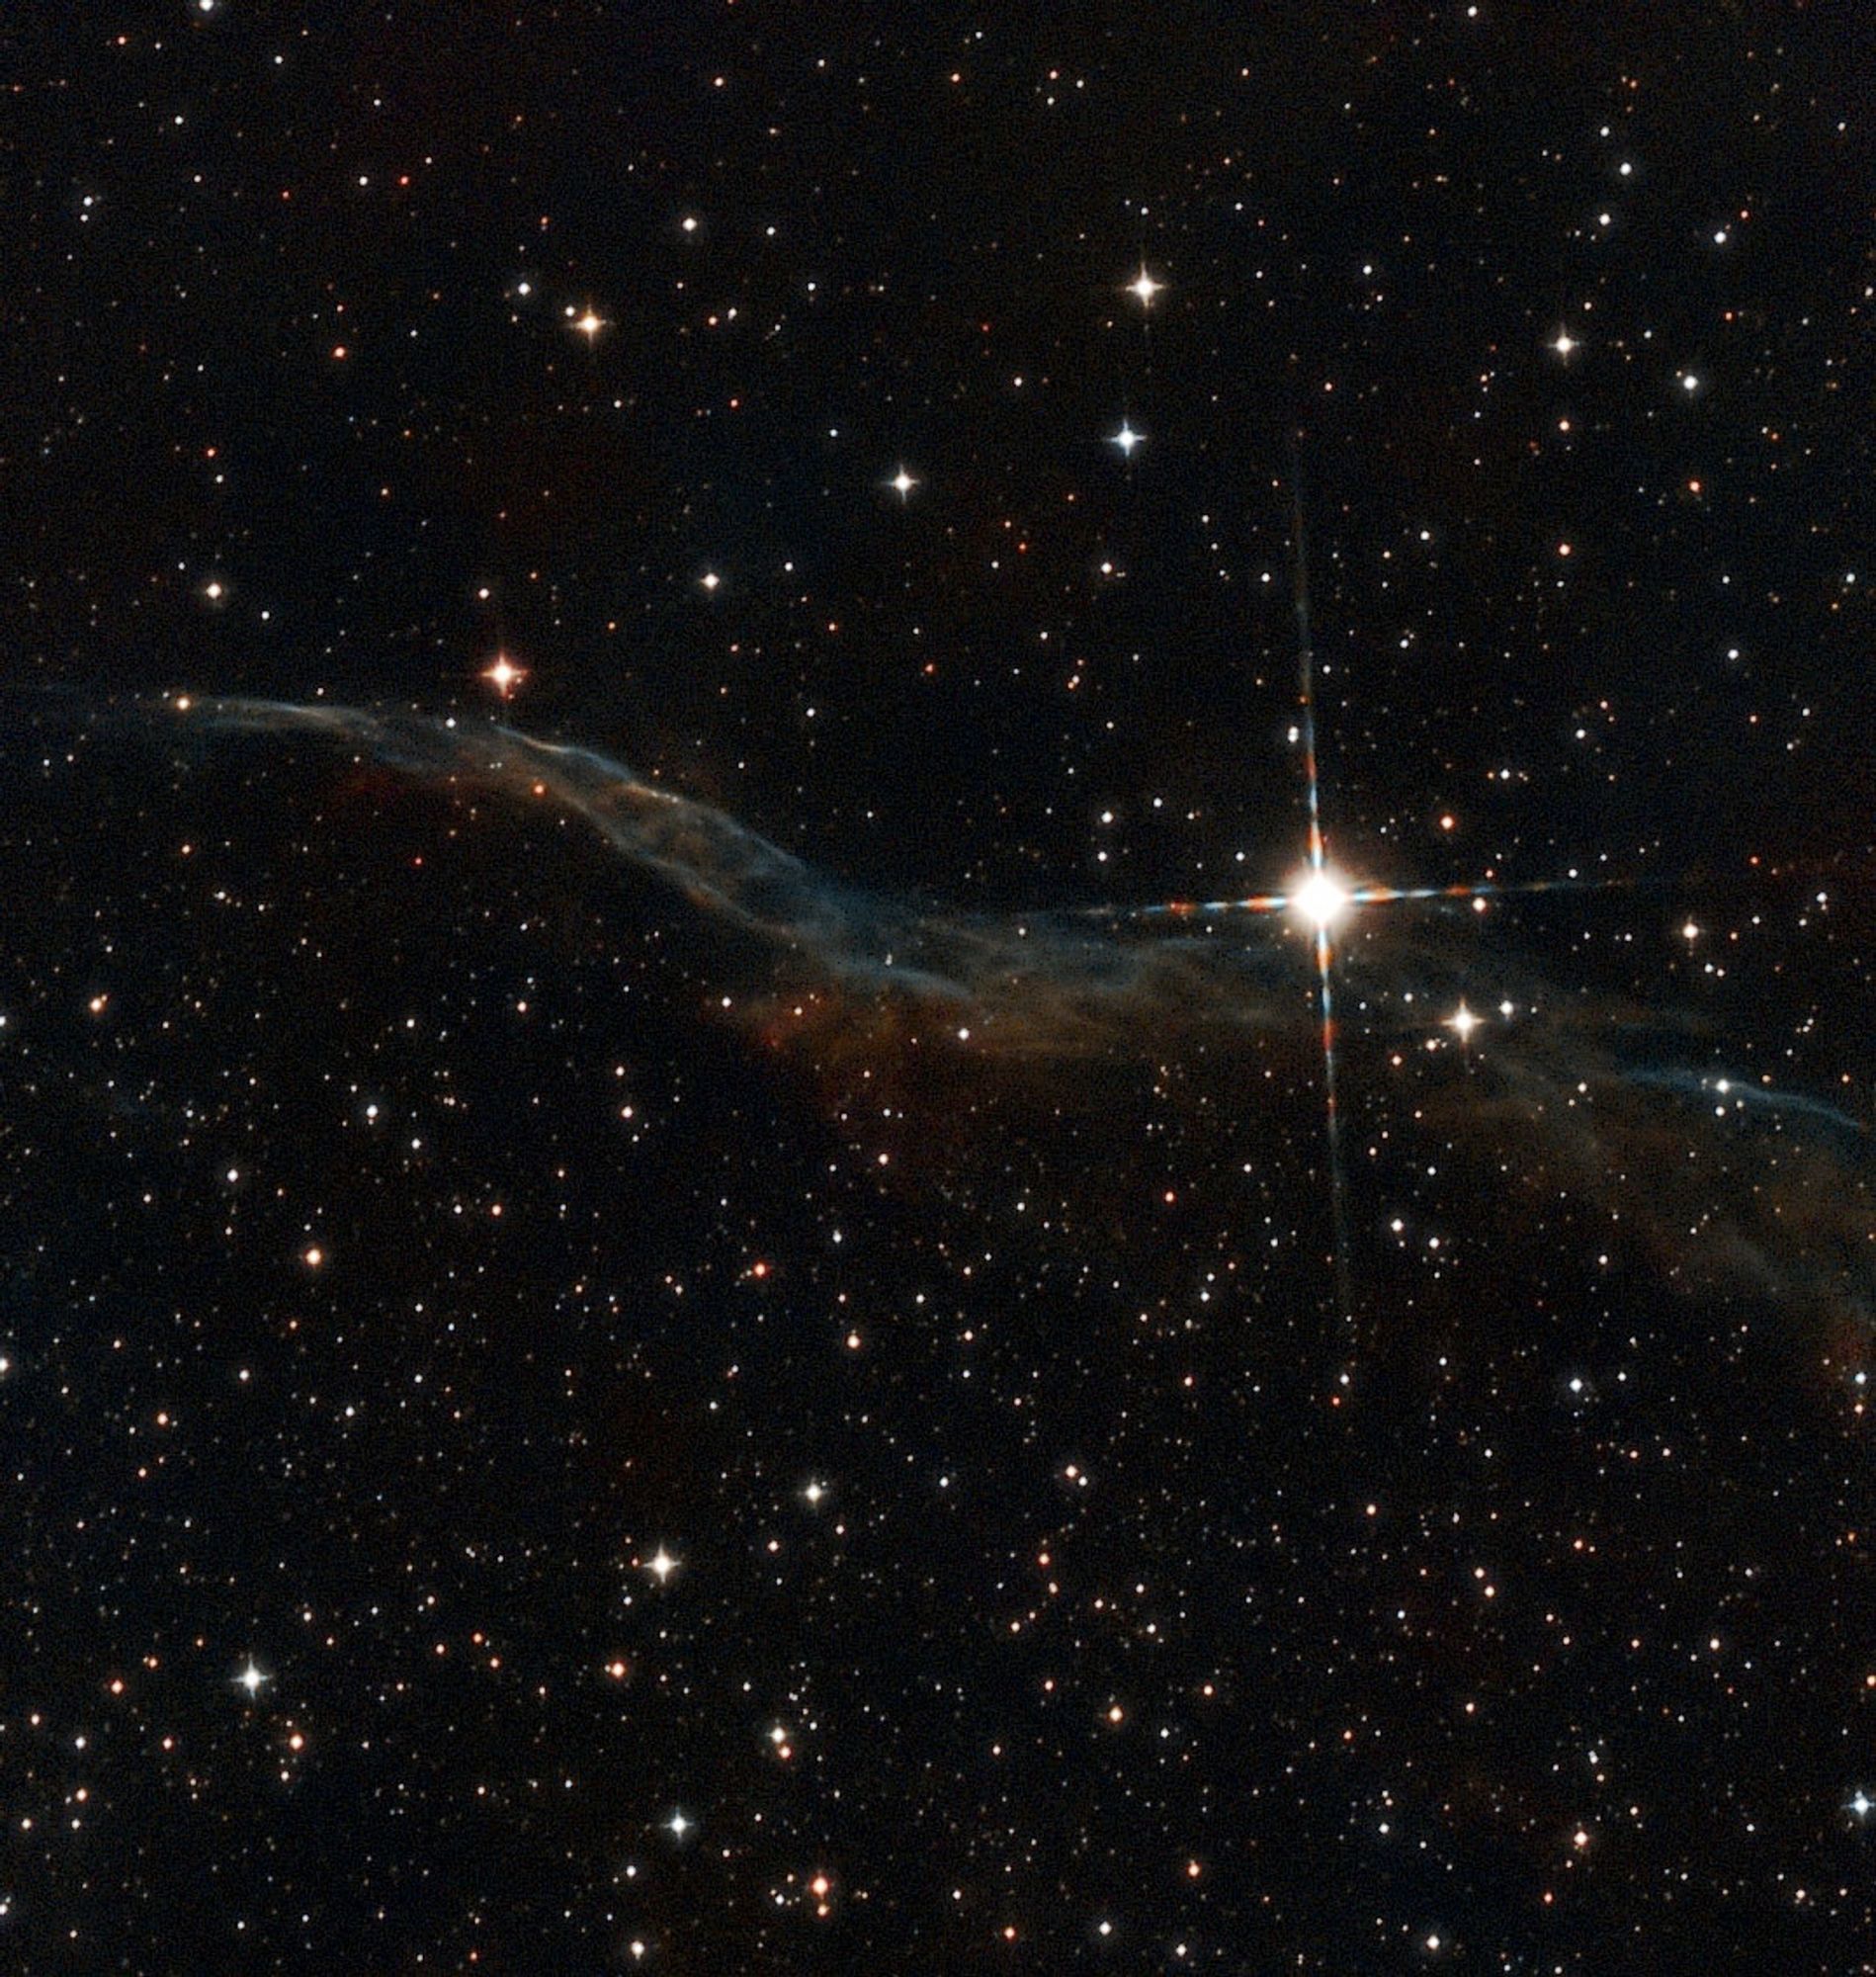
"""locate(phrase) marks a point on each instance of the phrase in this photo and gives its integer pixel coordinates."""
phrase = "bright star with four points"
(504, 675)
(1321, 899)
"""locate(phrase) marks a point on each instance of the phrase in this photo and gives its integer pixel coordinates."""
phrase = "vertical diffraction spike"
(1319, 897)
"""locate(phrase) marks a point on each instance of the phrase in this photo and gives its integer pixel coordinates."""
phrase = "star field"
(936, 1025)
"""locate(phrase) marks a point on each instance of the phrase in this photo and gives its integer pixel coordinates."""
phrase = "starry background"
(528, 1449)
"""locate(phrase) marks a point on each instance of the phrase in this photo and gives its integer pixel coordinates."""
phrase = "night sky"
(656, 1310)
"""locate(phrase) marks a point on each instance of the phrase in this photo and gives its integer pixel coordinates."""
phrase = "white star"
(677, 1825)
(1463, 1023)
(903, 482)
(504, 675)
(1145, 287)
(1127, 438)
(1565, 343)
(661, 1564)
(814, 1493)
(252, 1679)
(590, 324)
(1321, 899)
(1862, 1804)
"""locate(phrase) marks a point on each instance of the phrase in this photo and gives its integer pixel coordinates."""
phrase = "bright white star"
(661, 1564)
(1127, 438)
(903, 482)
(1320, 897)
(504, 675)
(1145, 287)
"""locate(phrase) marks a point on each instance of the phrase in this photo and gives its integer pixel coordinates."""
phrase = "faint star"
(903, 482)
(1127, 438)
(1145, 287)
(661, 1564)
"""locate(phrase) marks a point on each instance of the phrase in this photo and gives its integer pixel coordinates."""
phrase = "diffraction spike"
(1319, 897)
